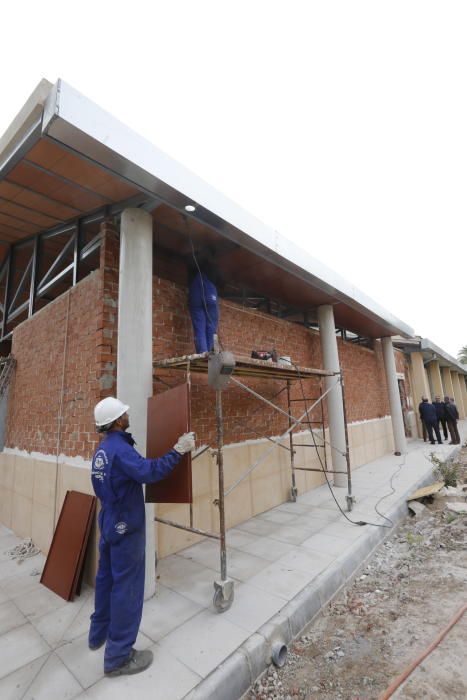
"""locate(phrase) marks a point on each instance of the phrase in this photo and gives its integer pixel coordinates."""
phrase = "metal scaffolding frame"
(248, 367)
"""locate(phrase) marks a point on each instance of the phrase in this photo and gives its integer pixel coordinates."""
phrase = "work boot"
(94, 647)
(138, 661)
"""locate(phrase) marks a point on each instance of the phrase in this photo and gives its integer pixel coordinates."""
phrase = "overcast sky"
(343, 125)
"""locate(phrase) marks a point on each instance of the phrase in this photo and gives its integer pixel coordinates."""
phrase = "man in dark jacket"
(424, 430)
(118, 473)
(429, 417)
(452, 416)
(441, 413)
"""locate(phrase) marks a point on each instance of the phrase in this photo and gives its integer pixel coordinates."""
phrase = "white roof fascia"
(25, 127)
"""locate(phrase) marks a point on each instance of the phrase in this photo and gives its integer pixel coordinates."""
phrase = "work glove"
(185, 443)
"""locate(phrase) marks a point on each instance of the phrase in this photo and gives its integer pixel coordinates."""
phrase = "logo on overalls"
(100, 460)
(121, 528)
(98, 464)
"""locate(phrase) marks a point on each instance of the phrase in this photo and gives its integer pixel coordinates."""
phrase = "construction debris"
(426, 491)
(457, 507)
(416, 508)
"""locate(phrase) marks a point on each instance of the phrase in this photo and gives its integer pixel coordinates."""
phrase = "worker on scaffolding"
(118, 472)
(203, 304)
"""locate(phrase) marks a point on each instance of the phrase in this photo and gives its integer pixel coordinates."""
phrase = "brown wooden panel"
(65, 560)
(46, 153)
(168, 418)
(22, 227)
(94, 178)
(27, 214)
(37, 201)
(27, 175)
(62, 162)
(9, 234)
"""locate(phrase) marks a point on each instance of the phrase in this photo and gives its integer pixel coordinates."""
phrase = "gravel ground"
(398, 603)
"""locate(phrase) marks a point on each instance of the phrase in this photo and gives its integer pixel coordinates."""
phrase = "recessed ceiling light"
(190, 207)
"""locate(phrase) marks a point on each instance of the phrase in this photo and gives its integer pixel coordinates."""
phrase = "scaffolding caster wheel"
(293, 494)
(350, 502)
(223, 595)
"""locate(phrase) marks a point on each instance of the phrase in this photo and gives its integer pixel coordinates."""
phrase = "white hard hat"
(108, 410)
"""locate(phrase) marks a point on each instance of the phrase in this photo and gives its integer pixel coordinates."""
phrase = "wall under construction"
(66, 361)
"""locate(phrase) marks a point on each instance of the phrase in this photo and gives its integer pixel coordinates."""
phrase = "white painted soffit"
(74, 121)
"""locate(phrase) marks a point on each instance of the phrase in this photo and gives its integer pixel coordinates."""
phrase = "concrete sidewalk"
(287, 563)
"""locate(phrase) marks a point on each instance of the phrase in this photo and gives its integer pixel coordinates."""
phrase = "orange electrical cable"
(406, 673)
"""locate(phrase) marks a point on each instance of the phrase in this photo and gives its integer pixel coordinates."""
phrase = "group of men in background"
(437, 415)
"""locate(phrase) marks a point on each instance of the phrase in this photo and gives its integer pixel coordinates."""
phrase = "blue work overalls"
(204, 311)
(118, 472)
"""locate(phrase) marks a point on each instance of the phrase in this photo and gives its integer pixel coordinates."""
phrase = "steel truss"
(20, 296)
(224, 588)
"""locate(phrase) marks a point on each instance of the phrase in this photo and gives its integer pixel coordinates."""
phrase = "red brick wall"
(242, 330)
(34, 399)
(91, 363)
(365, 381)
(89, 370)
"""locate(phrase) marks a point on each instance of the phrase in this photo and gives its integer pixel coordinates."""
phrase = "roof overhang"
(75, 123)
(25, 129)
(430, 352)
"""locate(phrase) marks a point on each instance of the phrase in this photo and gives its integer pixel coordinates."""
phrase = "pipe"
(411, 667)
(279, 654)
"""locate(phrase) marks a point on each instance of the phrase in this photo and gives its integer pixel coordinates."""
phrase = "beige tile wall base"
(32, 490)
(412, 418)
(268, 485)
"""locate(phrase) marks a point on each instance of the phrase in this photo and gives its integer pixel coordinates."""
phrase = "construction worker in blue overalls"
(118, 473)
(204, 308)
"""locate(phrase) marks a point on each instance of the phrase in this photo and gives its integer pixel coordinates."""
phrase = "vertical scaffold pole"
(293, 489)
(220, 468)
(350, 498)
(188, 381)
(322, 426)
(223, 589)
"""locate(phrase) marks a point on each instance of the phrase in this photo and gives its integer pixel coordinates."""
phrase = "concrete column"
(458, 395)
(400, 443)
(327, 334)
(134, 365)
(447, 382)
(463, 387)
(421, 386)
(435, 376)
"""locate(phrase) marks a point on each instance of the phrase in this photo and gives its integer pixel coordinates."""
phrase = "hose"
(23, 551)
(411, 667)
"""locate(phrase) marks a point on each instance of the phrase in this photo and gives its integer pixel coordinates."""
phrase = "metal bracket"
(350, 502)
(223, 594)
